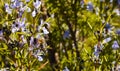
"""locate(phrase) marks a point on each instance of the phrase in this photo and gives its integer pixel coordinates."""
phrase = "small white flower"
(31, 41)
(52, 15)
(41, 21)
(34, 13)
(40, 58)
(45, 31)
(1, 33)
(66, 69)
(15, 29)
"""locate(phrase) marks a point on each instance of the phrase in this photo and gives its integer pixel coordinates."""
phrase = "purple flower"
(90, 6)
(107, 40)
(107, 26)
(96, 54)
(6, 5)
(17, 3)
(115, 45)
(12, 6)
(7, 9)
(1, 32)
(82, 3)
(66, 34)
(97, 50)
(37, 4)
(20, 13)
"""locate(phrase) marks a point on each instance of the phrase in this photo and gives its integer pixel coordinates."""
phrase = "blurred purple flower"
(97, 50)
(115, 45)
(96, 54)
(66, 34)
(6, 5)
(37, 4)
(82, 3)
(17, 3)
(7, 8)
(20, 13)
(1, 32)
(107, 26)
(12, 6)
(90, 6)
(18, 24)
